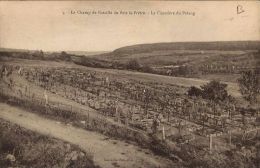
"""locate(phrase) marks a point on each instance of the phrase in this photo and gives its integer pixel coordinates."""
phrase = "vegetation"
(194, 91)
(139, 101)
(147, 69)
(213, 90)
(24, 148)
(249, 86)
(189, 59)
(172, 59)
(133, 65)
(36, 55)
(231, 45)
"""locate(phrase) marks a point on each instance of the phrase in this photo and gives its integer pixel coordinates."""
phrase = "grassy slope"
(192, 53)
(34, 150)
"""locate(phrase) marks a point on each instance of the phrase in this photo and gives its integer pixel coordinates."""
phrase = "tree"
(249, 86)
(133, 64)
(215, 91)
(116, 65)
(38, 54)
(65, 56)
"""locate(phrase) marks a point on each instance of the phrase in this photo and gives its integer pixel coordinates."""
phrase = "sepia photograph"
(129, 84)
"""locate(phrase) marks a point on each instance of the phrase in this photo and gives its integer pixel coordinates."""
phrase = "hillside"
(185, 59)
(199, 57)
(86, 53)
(180, 52)
(13, 50)
(224, 46)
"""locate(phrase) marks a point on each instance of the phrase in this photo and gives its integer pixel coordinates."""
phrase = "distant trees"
(183, 70)
(133, 65)
(63, 53)
(147, 69)
(117, 65)
(38, 55)
(65, 56)
(249, 86)
(214, 90)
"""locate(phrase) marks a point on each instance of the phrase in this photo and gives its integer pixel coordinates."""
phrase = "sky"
(56, 26)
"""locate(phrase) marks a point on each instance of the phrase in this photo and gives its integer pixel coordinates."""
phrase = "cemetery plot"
(153, 108)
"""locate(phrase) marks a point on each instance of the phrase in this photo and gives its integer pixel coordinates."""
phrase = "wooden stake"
(163, 133)
(210, 142)
(230, 138)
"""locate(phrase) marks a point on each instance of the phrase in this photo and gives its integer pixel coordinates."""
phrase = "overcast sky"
(50, 26)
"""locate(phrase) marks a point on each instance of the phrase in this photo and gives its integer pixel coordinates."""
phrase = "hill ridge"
(212, 45)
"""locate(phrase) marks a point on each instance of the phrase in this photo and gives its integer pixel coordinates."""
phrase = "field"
(128, 118)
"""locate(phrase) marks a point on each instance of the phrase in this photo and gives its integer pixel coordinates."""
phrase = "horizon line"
(127, 46)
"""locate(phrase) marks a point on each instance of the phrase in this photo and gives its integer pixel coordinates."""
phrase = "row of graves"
(147, 108)
(96, 86)
(134, 103)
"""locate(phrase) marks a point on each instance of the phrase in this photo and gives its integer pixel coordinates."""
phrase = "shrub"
(249, 84)
(215, 91)
(194, 91)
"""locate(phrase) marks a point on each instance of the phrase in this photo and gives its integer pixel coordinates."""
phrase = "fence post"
(163, 133)
(210, 142)
(126, 120)
(230, 138)
(116, 114)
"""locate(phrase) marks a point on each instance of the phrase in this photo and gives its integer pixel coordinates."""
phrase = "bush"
(215, 90)
(249, 84)
(194, 91)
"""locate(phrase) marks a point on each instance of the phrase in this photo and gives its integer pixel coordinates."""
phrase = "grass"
(34, 150)
(220, 77)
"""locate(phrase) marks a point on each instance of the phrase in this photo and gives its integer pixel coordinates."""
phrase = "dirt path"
(107, 152)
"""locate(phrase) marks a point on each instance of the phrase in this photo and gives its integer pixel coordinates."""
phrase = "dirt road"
(107, 153)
